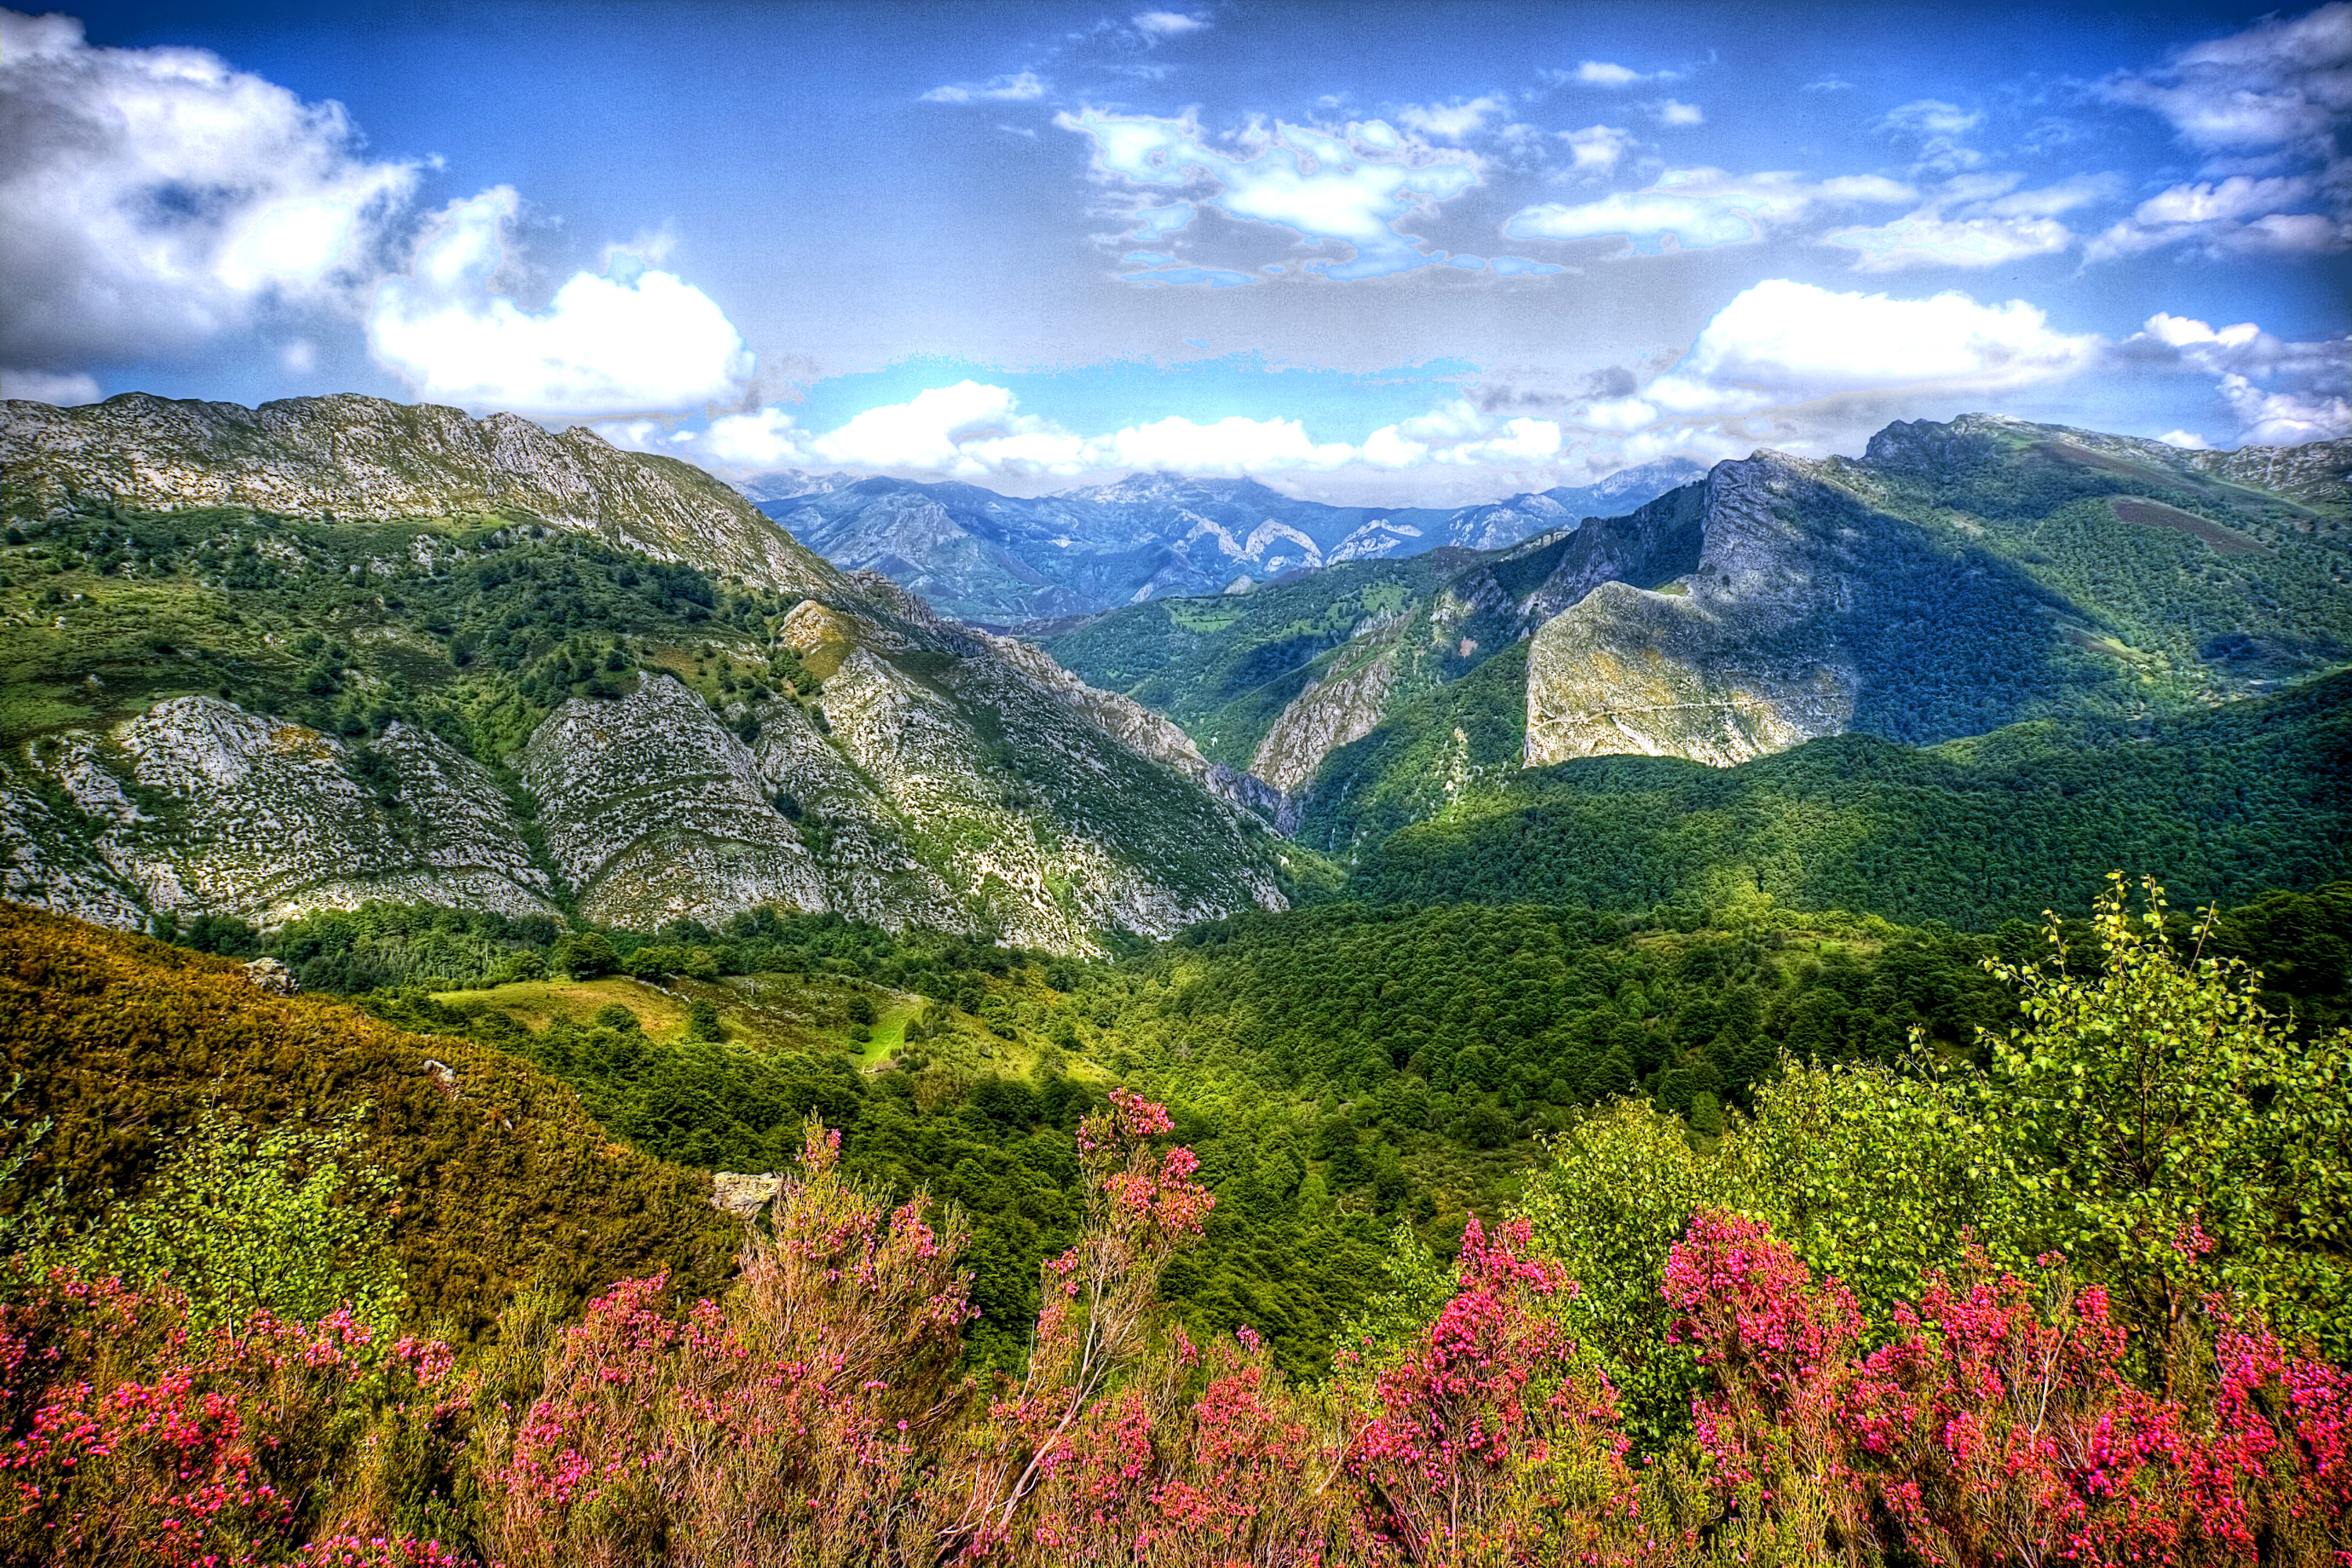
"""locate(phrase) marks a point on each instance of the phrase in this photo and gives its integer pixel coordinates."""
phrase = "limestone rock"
(269, 974)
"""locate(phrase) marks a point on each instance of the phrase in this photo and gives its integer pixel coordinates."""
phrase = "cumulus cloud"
(1672, 112)
(2285, 418)
(631, 338)
(763, 438)
(1349, 189)
(155, 198)
(1020, 88)
(2281, 83)
(1796, 365)
(48, 387)
(2240, 216)
(1168, 24)
(2282, 392)
(1695, 209)
(1451, 122)
(1597, 148)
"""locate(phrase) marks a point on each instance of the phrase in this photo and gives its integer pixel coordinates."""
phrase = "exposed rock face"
(1032, 796)
(947, 778)
(269, 974)
(354, 457)
(653, 811)
(237, 811)
(1344, 705)
(743, 1193)
(1739, 660)
(1663, 676)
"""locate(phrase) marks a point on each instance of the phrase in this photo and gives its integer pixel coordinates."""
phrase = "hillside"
(627, 696)
(2229, 802)
(1006, 559)
(505, 1181)
(1956, 579)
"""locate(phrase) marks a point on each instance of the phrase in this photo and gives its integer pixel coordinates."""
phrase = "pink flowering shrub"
(1237, 1470)
(2001, 1424)
(133, 1437)
(784, 1426)
(1099, 1317)
(1496, 1435)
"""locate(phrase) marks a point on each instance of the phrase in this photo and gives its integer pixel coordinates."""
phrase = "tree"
(2167, 1130)
(283, 1221)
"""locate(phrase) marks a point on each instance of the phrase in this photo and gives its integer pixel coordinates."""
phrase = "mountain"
(262, 661)
(1955, 579)
(1002, 561)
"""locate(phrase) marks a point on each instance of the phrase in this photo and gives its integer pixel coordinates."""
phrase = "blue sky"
(1401, 252)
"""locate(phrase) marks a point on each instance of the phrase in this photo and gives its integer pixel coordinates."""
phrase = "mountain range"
(261, 662)
(1955, 579)
(1003, 561)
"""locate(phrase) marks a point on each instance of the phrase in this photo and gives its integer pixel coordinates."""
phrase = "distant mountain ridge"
(1003, 560)
(1956, 578)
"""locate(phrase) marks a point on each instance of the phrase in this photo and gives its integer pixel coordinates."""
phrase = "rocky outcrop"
(1346, 705)
(1733, 660)
(199, 806)
(653, 811)
(363, 457)
(1037, 799)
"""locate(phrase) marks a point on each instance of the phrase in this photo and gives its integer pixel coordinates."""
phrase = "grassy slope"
(506, 1180)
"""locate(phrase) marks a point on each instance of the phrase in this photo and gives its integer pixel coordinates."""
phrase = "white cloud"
(2236, 217)
(2285, 418)
(633, 339)
(47, 386)
(2050, 201)
(1926, 238)
(154, 199)
(1352, 188)
(2187, 440)
(763, 438)
(1930, 117)
(2280, 83)
(1671, 112)
(1229, 446)
(1936, 128)
(2307, 383)
(974, 430)
(1020, 88)
(1451, 122)
(1780, 345)
(1603, 73)
(1168, 24)
(1698, 208)
(1597, 147)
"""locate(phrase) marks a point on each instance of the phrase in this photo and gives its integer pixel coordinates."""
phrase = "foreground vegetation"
(2076, 1292)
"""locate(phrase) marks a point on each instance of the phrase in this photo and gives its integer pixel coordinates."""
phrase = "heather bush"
(1102, 1315)
(784, 1425)
(140, 1432)
(2002, 1424)
(1496, 1433)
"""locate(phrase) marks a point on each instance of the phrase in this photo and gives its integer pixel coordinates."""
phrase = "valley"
(658, 876)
